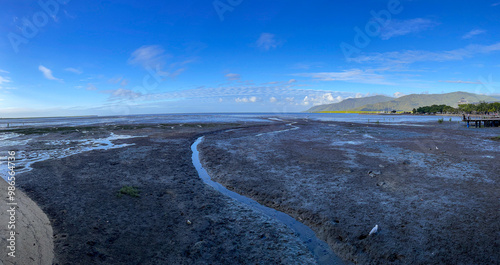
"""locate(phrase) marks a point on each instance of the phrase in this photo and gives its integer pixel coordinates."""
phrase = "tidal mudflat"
(431, 189)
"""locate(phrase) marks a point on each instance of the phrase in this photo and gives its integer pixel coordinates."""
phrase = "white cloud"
(273, 99)
(326, 98)
(4, 80)
(353, 75)
(473, 33)
(412, 56)
(398, 94)
(154, 59)
(495, 4)
(3, 71)
(232, 77)
(241, 100)
(47, 73)
(74, 70)
(148, 56)
(404, 27)
(267, 41)
(246, 100)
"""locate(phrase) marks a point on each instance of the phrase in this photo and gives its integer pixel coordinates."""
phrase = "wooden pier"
(487, 122)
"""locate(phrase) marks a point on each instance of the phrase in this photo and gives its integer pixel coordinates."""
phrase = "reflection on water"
(214, 118)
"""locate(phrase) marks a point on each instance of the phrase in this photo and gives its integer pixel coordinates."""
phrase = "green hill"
(407, 103)
(349, 103)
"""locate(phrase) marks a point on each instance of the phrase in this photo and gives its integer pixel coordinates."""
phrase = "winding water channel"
(322, 252)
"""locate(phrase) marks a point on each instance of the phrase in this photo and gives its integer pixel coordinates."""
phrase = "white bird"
(374, 230)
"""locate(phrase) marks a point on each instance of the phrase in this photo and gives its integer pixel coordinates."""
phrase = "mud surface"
(433, 189)
(177, 219)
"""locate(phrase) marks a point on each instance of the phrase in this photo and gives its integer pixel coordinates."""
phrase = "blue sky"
(70, 57)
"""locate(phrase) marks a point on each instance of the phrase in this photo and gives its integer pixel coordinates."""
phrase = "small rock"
(381, 166)
(348, 170)
(188, 222)
(380, 184)
(406, 162)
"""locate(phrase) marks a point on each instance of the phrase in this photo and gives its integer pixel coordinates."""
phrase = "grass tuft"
(128, 190)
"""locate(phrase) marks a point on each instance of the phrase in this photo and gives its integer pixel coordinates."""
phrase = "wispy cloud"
(91, 87)
(352, 75)
(473, 33)
(154, 59)
(460, 82)
(267, 41)
(496, 4)
(307, 66)
(233, 77)
(148, 56)
(3, 71)
(4, 80)
(412, 56)
(282, 93)
(115, 80)
(403, 27)
(47, 73)
(74, 70)
(122, 94)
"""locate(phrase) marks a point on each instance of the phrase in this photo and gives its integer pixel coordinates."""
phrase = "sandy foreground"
(433, 191)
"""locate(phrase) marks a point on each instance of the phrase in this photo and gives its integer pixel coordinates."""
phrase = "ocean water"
(213, 118)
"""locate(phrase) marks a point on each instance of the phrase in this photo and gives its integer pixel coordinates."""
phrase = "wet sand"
(433, 205)
(177, 219)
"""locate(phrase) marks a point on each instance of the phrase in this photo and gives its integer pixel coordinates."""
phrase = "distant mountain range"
(350, 103)
(404, 103)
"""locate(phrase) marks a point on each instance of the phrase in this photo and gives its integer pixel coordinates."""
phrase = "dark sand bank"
(433, 190)
(176, 220)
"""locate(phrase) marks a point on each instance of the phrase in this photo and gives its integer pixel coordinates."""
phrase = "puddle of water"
(27, 159)
(322, 252)
(286, 130)
(342, 143)
(368, 136)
